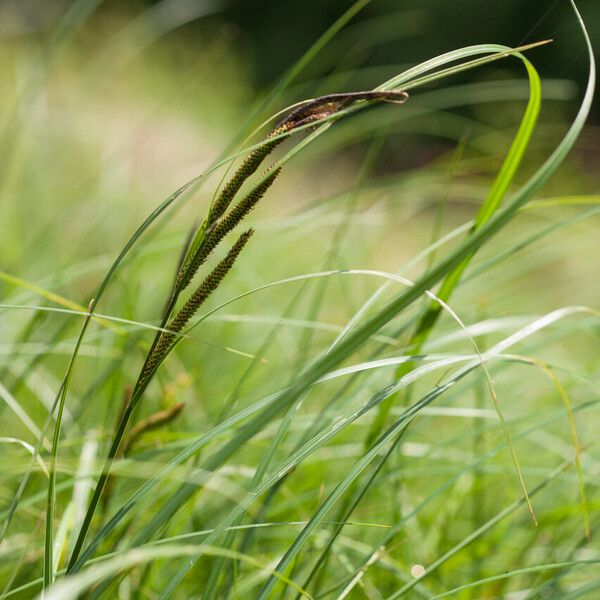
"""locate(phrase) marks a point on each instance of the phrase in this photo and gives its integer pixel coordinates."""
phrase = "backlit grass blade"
(488, 208)
(339, 424)
(71, 588)
(516, 572)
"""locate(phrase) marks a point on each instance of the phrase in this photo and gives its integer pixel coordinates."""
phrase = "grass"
(349, 407)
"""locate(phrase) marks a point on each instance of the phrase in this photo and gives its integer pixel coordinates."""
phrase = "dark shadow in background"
(387, 34)
(276, 32)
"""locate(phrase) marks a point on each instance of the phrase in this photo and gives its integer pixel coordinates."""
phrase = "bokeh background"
(153, 91)
(106, 108)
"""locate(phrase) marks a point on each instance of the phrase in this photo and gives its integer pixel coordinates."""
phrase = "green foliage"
(383, 406)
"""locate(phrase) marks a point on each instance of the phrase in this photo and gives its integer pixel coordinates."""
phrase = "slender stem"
(110, 459)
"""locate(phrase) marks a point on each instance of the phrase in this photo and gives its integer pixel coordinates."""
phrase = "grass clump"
(342, 437)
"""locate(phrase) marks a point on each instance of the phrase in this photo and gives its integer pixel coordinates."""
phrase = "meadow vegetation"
(356, 357)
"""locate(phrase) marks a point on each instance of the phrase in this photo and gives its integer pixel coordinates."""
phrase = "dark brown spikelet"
(244, 206)
(124, 403)
(222, 228)
(210, 284)
(152, 422)
(245, 170)
(187, 311)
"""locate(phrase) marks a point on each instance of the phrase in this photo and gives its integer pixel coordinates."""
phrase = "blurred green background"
(161, 88)
(108, 107)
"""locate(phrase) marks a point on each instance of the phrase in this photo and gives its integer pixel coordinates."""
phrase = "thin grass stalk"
(163, 342)
(320, 565)
(166, 339)
(148, 370)
(481, 530)
(219, 229)
(141, 385)
(547, 421)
